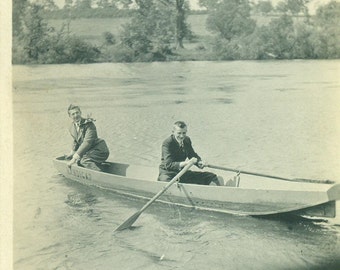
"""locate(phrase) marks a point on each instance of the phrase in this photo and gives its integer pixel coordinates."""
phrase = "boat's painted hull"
(300, 198)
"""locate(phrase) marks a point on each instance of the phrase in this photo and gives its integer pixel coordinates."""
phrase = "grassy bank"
(92, 31)
(89, 40)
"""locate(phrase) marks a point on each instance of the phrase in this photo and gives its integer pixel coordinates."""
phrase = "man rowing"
(176, 151)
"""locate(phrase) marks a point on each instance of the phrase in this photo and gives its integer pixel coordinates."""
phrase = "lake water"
(275, 117)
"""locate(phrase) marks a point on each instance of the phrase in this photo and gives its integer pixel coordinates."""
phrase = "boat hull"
(297, 198)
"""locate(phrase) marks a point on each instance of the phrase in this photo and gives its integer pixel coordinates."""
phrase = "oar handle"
(270, 176)
(172, 181)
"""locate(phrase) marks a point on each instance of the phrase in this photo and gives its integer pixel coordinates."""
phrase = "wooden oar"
(271, 176)
(127, 223)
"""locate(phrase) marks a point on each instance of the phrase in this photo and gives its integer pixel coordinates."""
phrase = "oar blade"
(128, 223)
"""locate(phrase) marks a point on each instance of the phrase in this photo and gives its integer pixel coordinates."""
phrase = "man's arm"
(191, 153)
(169, 159)
(75, 144)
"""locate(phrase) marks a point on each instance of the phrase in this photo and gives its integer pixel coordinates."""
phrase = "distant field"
(92, 29)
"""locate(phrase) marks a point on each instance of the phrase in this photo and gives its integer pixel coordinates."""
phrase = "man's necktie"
(78, 127)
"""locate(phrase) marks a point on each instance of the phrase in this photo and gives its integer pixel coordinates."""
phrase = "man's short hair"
(180, 124)
(72, 107)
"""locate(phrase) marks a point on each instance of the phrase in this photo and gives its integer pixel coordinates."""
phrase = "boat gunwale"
(132, 194)
(297, 180)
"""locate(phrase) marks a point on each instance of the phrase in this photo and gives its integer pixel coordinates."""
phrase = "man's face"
(179, 133)
(75, 114)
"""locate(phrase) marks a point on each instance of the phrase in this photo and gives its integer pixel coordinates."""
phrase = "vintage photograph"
(175, 134)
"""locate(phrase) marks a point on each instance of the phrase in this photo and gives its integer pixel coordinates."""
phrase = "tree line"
(157, 30)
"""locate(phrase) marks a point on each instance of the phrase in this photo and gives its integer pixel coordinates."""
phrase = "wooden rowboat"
(243, 194)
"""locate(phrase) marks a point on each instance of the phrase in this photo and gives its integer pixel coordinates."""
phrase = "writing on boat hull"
(79, 174)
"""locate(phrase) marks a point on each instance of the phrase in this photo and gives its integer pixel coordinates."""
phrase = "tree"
(231, 18)
(326, 36)
(278, 37)
(154, 27)
(125, 3)
(281, 7)
(47, 5)
(231, 21)
(180, 8)
(147, 34)
(264, 7)
(34, 32)
(38, 43)
(105, 4)
(180, 23)
(83, 4)
(68, 4)
(18, 11)
(294, 7)
(209, 4)
(328, 15)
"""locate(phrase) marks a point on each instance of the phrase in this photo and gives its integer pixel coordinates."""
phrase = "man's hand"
(201, 164)
(183, 163)
(186, 162)
(74, 159)
(71, 162)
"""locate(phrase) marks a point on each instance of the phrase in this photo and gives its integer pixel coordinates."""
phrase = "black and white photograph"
(171, 134)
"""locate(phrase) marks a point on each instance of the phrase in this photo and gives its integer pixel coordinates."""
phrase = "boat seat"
(105, 167)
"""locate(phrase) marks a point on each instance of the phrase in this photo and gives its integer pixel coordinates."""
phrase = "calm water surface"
(279, 118)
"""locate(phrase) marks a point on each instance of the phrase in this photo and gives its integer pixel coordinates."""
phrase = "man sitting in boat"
(176, 152)
(88, 150)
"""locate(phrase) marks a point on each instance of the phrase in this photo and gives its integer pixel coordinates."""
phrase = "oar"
(127, 223)
(271, 176)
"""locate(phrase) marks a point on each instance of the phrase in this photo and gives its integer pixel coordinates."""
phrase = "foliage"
(231, 18)
(284, 37)
(34, 31)
(152, 30)
(18, 10)
(231, 21)
(155, 28)
(278, 37)
(293, 7)
(209, 4)
(47, 5)
(109, 38)
(329, 14)
(326, 31)
(39, 43)
(264, 7)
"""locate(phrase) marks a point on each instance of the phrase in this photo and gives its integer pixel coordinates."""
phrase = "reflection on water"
(80, 200)
(278, 118)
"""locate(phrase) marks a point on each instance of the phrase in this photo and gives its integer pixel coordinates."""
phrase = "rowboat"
(243, 193)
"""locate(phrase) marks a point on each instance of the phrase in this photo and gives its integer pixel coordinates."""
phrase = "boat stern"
(325, 210)
(334, 192)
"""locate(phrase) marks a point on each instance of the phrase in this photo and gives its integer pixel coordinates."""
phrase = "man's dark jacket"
(173, 154)
(86, 140)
